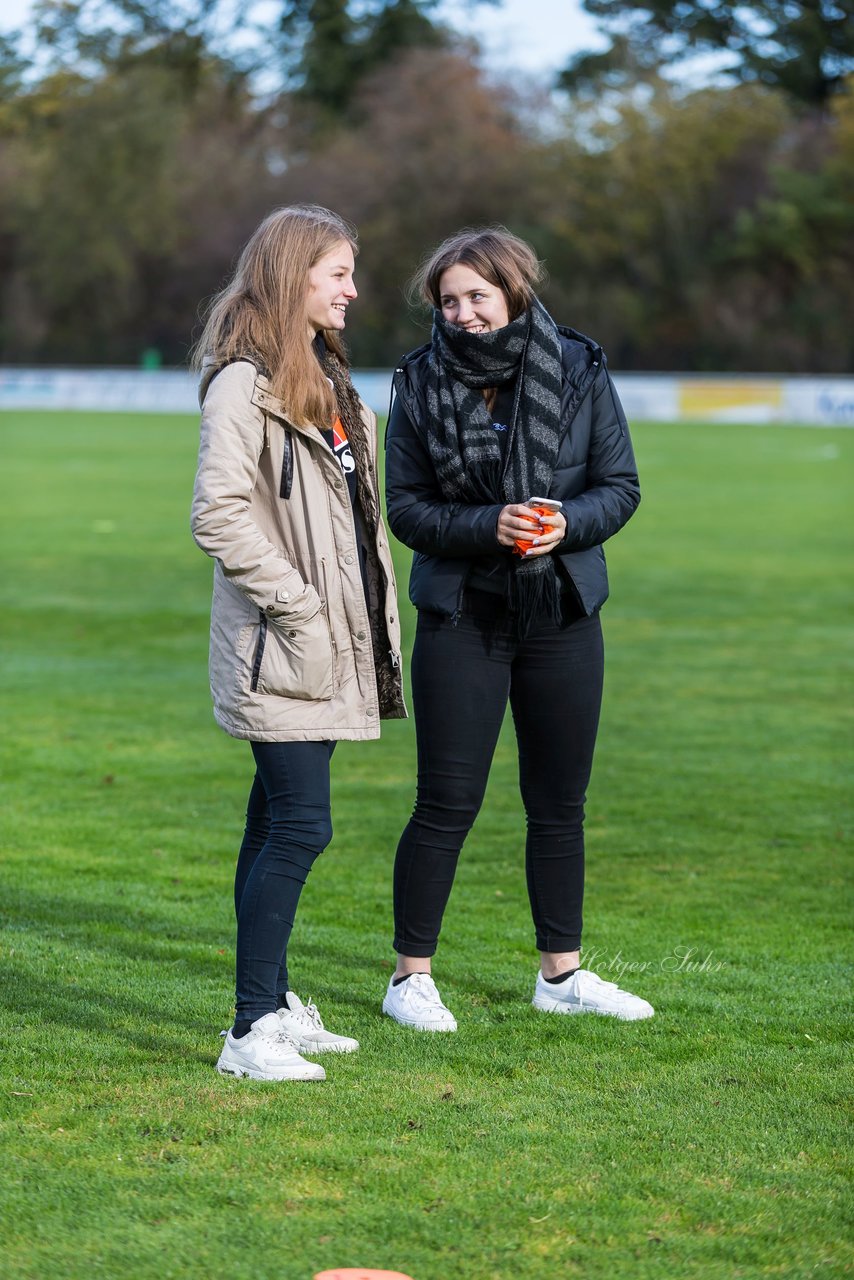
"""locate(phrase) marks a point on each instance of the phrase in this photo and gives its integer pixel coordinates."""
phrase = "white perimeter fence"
(824, 402)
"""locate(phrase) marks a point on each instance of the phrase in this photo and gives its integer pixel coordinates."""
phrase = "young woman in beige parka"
(305, 638)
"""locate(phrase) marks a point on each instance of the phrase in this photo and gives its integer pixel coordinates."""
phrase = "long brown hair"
(495, 254)
(261, 312)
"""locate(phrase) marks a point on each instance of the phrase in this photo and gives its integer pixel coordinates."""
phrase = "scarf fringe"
(534, 595)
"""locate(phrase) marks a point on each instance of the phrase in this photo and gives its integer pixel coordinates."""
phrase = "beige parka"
(296, 652)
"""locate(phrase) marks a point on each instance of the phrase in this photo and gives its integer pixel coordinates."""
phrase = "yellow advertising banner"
(730, 399)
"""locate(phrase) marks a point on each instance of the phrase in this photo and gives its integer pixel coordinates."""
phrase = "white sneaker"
(415, 1002)
(303, 1024)
(585, 992)
(266, 1053)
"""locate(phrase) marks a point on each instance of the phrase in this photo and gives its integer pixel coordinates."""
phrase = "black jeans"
(462, 677)
(288, 824)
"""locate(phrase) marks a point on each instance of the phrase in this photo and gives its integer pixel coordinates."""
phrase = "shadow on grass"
(101, 925)
(104, 1018)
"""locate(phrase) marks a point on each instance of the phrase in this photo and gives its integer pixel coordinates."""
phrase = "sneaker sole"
(418, 1026)
(548, 1005)
(255, 1073)
(328, 1048)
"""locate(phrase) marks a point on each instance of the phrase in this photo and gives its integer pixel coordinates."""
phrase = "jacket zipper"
(458, 612)
(259, 652)
(327, 615)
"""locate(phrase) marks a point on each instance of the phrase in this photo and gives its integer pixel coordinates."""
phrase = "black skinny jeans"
(462, 677)
(288, 824)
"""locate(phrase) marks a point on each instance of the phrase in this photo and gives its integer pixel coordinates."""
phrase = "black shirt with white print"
(340, 446)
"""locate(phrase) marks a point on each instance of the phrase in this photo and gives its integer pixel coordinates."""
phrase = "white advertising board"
(827, 401)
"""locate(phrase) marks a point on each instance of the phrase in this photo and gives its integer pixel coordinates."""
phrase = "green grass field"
(709, 1142)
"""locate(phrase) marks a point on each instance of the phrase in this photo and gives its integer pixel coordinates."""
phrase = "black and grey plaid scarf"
(462, 441)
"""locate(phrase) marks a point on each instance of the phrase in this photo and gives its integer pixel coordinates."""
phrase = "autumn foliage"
(702, 229)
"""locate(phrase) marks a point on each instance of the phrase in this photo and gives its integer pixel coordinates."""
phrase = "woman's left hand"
(552, 531)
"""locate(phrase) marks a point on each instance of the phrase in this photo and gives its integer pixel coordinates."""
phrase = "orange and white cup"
(543, 507)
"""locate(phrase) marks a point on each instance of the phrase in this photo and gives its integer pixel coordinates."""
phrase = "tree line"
(687, 228)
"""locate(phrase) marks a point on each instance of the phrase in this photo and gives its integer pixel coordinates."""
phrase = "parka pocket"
(294, 659)
(259, 651)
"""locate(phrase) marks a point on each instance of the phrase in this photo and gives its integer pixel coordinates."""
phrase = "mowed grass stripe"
(709, 1142)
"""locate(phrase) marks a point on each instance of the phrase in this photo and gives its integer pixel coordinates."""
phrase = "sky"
(535, 36)
(538, 36)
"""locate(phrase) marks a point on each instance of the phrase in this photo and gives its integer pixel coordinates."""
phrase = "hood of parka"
(211, 367)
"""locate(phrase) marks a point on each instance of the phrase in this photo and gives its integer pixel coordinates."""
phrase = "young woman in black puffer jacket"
(501, 408)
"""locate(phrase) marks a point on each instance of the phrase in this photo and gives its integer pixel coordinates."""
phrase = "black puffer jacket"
(595, 479)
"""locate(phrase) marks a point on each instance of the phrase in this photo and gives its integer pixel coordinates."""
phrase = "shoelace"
(419, 992)
(593, 980)
(590, 983)
(309, 1016)
(280, 1037)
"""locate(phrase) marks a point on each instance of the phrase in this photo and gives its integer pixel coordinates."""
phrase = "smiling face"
(331, 288)
(471, 302)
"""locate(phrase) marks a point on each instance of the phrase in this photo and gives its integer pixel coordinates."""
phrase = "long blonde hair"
(261, 313)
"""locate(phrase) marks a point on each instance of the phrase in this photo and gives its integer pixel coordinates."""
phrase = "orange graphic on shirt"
(341, 448)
